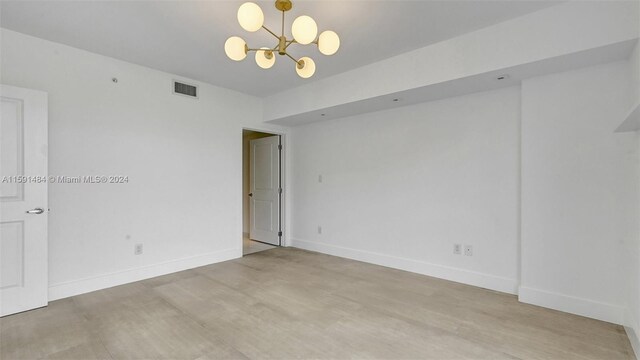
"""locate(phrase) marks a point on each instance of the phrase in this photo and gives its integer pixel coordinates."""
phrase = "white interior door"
(23, 200)
(264, 184)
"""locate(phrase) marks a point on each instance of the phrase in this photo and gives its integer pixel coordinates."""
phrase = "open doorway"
(261, 191)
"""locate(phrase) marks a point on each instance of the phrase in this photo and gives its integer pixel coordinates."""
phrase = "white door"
(23, 200)
(264, 182)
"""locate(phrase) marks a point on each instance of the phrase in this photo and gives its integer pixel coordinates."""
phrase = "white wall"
(632, 271)
(634, 63)
(579, 191)
(183, 158)
(633, 299)
(401, 186)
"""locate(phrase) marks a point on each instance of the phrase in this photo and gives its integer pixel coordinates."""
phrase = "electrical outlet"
(137, 250)
(457, 249)
(319, 230)
(468, 250)
(319, 178)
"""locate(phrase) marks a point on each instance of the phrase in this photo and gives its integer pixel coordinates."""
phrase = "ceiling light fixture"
(303, 29)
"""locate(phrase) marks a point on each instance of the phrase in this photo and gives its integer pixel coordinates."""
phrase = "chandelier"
(303, 29)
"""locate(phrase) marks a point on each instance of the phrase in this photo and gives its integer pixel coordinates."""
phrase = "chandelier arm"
(289, 43)
(292, 58)
(271, 32)
(282, 22)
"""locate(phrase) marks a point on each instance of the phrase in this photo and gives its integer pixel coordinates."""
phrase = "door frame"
(284, 175)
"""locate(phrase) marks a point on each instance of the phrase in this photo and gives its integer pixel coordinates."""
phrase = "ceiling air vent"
(185, 89)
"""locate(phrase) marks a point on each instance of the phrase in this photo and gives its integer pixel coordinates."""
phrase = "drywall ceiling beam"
(553, 33)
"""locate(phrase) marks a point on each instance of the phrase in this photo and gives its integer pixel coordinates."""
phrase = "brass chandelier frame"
(283, 43)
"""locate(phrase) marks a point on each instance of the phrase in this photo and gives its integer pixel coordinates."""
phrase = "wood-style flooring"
(249, 246)
(287, 303)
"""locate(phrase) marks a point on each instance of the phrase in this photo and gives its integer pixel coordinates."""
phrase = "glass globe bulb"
(328, 42)
(305, 67)
(250, 16)
(304, 29)
(235, 48)
(263, 60)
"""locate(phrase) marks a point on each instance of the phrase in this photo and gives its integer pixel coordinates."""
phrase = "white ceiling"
(187, 37)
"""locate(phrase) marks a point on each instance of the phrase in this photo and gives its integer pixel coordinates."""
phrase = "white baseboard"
(635, 341)
(573, 305)
(82, 286)
(439, 271)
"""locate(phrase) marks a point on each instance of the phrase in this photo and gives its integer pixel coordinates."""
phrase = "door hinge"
(280, 191)
(280, 147)
(280, 233)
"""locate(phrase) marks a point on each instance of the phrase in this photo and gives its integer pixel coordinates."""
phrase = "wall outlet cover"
(468, 250)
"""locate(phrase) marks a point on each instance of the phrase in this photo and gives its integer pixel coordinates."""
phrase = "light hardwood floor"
(249, 246)
(287, 303)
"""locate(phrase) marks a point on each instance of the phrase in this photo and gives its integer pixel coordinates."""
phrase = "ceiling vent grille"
(185, 89)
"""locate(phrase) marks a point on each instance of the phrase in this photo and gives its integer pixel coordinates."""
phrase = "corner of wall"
(634, 340)
(632, 328)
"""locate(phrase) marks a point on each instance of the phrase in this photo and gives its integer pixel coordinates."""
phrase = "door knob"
(35, 211)
(250, 194)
